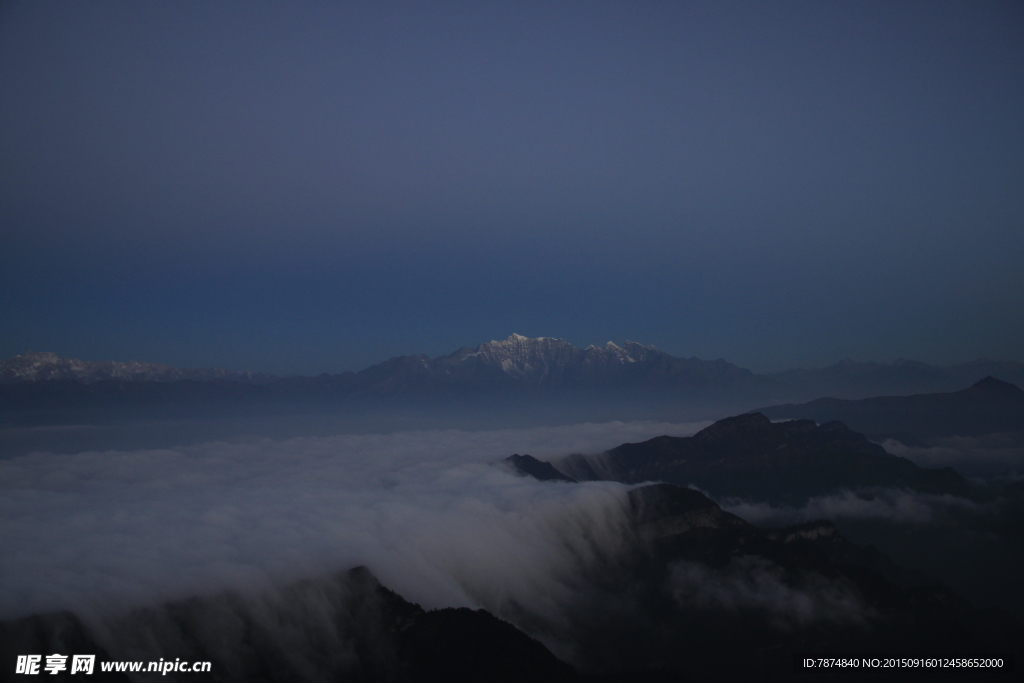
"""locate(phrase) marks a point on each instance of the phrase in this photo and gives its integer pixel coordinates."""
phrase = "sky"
(315, 187)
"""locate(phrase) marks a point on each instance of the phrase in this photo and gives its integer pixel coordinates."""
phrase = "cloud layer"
(433, 514)
(992, 454)
(897, 505)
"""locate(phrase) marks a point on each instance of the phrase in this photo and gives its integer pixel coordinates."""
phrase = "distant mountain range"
(517, 368)
(547, 364)
(852, 380)
(988, 406)
(516, 362)
(36, 366)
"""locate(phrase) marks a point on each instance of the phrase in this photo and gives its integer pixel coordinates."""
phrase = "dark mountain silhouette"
(745, 599)
(854, 380)
(370, 634)
(59, 633)
(971, 537)
(693, 594)
(749, 456)
(538, 469)
(988, 406)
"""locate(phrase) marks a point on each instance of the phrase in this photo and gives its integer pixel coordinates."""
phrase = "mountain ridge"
(988, 406)
(537, 359)
(544, 375)
(748, 456)
(47, 366)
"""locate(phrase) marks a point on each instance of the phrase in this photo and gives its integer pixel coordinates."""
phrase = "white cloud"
(898, 505)
(428, 512)
(1001, 453)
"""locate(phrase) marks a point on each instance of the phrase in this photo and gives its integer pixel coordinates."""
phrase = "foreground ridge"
(707, 595)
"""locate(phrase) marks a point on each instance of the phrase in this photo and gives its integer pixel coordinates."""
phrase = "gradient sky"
(308, 187)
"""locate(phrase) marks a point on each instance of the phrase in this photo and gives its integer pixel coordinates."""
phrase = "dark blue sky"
(306, 187)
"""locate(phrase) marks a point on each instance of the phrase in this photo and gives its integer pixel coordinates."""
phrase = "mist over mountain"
(689, 592)
(343, 627)
(233, 549)
(966, 532)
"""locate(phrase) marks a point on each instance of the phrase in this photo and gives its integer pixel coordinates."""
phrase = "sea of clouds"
(435, 515)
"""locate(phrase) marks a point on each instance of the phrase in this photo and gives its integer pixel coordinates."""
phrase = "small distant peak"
(990, 386)
(611, 345)
(516, 337)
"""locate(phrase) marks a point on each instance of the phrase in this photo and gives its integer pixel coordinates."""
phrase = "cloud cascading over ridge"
(433, 514)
